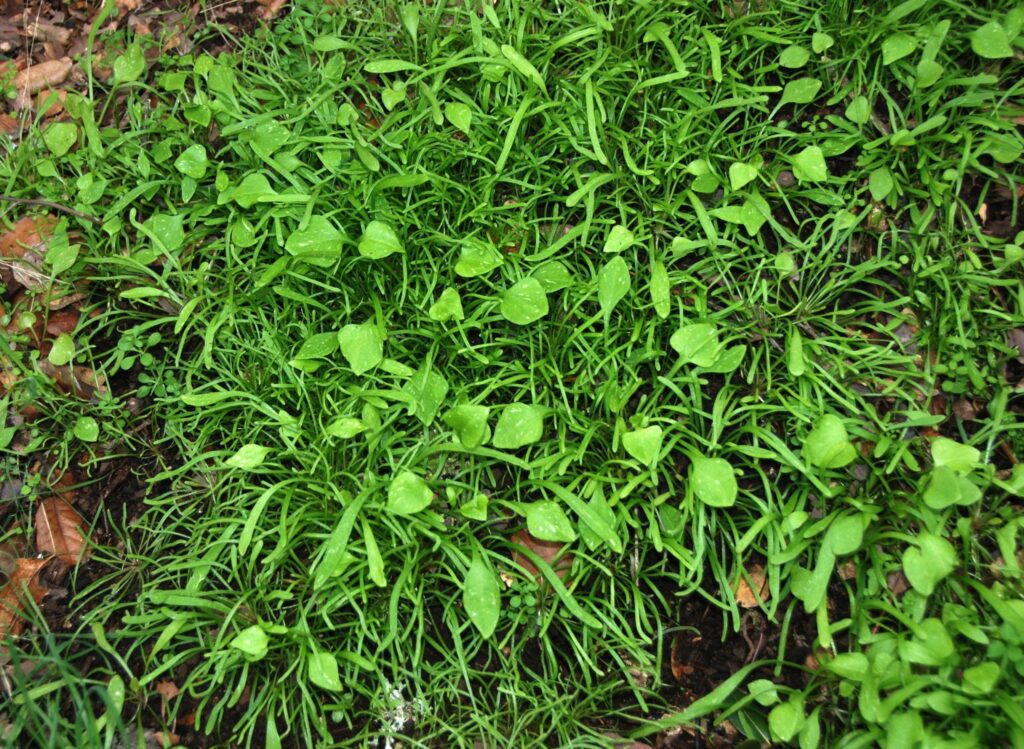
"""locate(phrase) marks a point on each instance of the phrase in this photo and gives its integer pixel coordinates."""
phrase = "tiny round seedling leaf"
(714, 481)
(379, 241)
(827, 445)
(696, 344)
(520, 424)
(87, 429)
(481, 596)
(619, 239)
(643, 444)
(548, 522)
(248, 457)
(525, 302)
(62, 351)
(408, 494)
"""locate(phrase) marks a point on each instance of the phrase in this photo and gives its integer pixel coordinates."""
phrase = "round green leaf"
(896, 47)
(481, 596)
(786, 719)
(192, 162)
(60, 136)
(927, 563)
(318, 244)
(794, 56)
(252, 641)
(62, 351)
(741, 174)
(827, 445)
(469, 424)
(714, 481)
(548, 522)
(378, 241)
(553, 276)
(525, 302)
(991, 41)
(809, 165)
(520, 424)
(248, 457)
(87, 429)
(800, 91)
(408, 494)
(362, 347)
(696, 344)
(953, 455)
(477, 259)
(821, 41)
(858, 111)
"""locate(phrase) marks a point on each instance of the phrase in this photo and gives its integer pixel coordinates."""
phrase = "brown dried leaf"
(745, 595)
(59, 530)
(167, 690)
(22, 583)
(44, 75)
(271, 8)
(549, 551)
(28, 235)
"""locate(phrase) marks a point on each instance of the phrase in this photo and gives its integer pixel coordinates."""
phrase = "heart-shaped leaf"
(318, 244)
(548, 522)
(613, 283)
(800, 91)
(714, 481)
(953, 455)
(408, 494)
(741, 174)
(378, 241)
(643, 444)
(318, 346)
(927, 563)
(946, 488)
(477, 259)
(696, 344)
(619, 239)
(481, 596)
(991, 41)
(362, 346)
(553, 276)
(192, 162)
(520, 424)
(896, 47)
(475, 508)
(86, 429)
(525, 302)
(447, 307)
(827, 445)
(809, 165)
(393, 96)
(254, 188)
(426, 391)
(469, 424)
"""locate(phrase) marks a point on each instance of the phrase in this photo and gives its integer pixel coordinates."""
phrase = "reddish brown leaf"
(549, 551)
(744, 593)
(21, 584)
(59, 530)
(30, 233)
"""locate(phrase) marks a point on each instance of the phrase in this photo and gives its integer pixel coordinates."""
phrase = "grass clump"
(411, 294)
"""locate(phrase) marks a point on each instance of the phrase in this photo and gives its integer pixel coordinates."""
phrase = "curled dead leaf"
(745, 596)
(59, 531)
(81, 381)
(22, 584)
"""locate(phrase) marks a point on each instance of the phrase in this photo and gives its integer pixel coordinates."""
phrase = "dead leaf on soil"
(744, 593)
(82, 381)
(59, 531)
(271, 8)
(44, 75)
(23, 582)
(547, 550)
(167, 690)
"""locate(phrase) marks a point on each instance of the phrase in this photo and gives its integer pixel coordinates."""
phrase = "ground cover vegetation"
(522, 374)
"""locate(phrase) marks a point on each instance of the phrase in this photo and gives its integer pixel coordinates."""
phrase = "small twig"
(51, 204)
